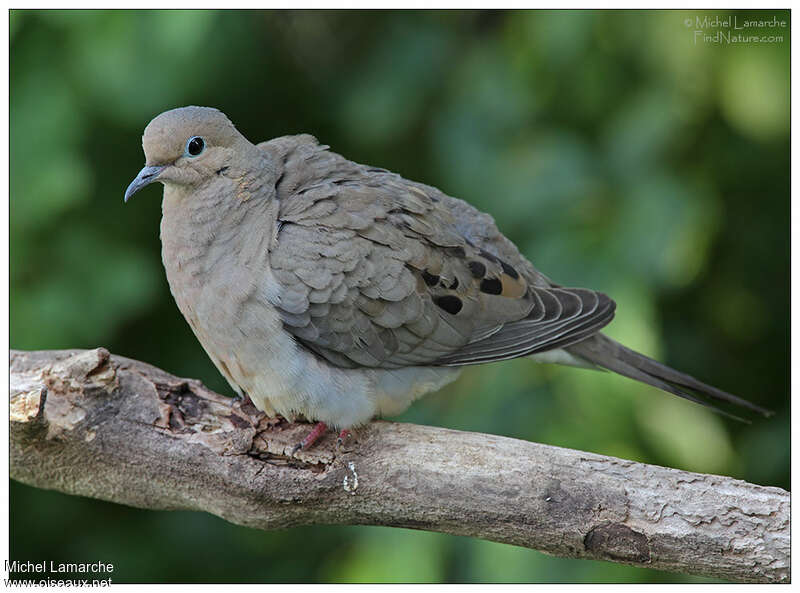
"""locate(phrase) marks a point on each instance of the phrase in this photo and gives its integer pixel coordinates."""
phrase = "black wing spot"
(491, 286)
(477, 269)
(430, 279)
(453, 284)
(509, 270)
(451, 304)
(221, 170)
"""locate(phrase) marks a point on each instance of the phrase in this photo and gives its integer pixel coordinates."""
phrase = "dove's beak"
(145, 177)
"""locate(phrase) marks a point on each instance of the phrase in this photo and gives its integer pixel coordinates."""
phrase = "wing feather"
(376, 271)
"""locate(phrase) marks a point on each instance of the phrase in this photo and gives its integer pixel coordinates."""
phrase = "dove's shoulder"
(302, 162)
(309, 173)
(281, 146)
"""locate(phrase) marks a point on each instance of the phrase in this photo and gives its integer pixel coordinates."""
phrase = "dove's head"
(187, 146)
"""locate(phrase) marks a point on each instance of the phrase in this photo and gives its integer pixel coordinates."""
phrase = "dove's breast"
(224, 287)
(213, 276)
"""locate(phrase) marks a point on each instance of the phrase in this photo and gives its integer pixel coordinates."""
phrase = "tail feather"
(613, 356)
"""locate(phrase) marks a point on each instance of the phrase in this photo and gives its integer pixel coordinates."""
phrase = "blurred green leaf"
(688, 437)
(754, 92)
(415, 558)
(386, 94)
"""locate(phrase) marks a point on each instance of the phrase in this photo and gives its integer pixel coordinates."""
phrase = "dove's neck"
(224, 225)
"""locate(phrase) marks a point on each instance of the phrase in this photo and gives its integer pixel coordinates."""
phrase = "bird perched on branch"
(339, 291)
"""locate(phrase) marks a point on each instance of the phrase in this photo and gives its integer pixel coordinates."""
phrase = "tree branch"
(87, 423)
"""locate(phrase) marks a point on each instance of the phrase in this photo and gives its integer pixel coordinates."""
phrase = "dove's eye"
(195, 145)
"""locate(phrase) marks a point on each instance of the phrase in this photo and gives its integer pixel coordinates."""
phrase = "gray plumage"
(338, 291)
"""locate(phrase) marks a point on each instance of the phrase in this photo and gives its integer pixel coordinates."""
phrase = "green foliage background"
(617, 149)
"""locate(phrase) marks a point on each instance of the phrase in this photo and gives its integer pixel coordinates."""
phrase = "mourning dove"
(341, 292)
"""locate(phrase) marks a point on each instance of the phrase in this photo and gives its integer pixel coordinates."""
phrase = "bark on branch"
(84, 422)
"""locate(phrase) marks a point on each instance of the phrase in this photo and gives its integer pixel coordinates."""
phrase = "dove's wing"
(377, 271)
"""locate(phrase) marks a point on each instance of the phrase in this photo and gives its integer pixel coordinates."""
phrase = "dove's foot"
(316, 432)
(311, 438)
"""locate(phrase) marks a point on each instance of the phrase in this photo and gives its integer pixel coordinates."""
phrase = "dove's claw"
(343, 436)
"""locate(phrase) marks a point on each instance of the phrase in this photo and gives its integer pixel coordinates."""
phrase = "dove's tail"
(613, 356)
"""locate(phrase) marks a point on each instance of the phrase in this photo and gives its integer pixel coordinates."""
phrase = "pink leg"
(312, 437)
